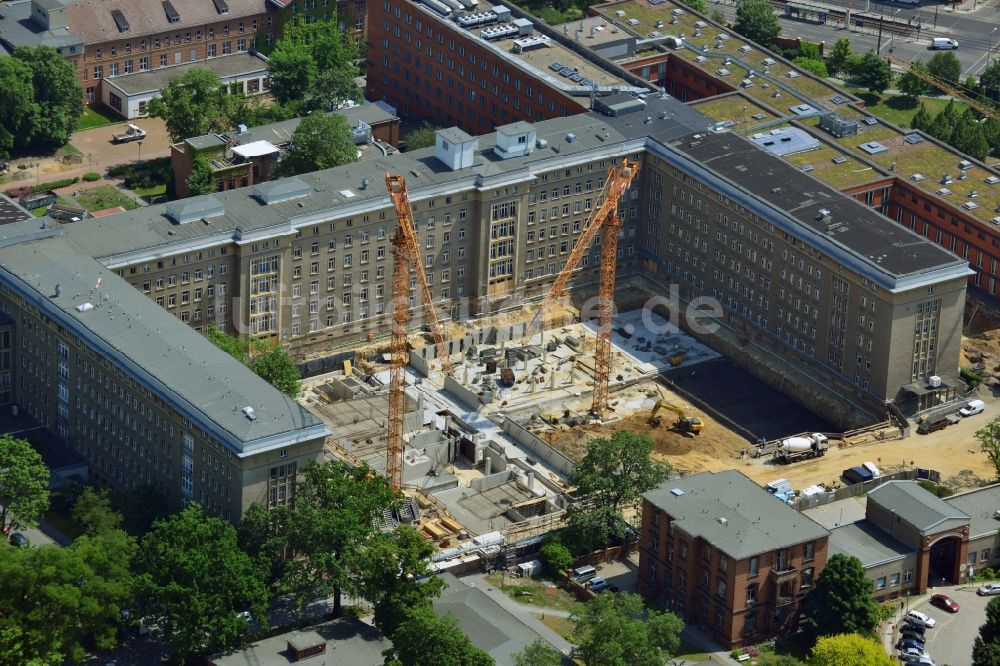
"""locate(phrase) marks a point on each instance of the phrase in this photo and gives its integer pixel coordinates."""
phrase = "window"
(751, 593)
(721, 589)
(908, 575)
(894, 580)
(880, 583)
(807, 577)
(754, 566)
(809, 552)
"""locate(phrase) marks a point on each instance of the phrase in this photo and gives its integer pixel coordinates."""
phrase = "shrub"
(91, 176)
(935, 488)
(556, 557)
(971, 378)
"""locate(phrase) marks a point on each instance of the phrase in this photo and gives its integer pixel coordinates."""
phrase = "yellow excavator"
(684, 423)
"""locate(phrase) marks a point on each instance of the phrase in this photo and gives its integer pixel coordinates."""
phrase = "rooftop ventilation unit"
(676, 492)
(249, 413)
(479, 18)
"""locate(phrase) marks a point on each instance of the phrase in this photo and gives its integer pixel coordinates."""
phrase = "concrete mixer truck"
(795, 449)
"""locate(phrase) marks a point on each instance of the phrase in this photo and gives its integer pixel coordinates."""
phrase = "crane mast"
(406, 256)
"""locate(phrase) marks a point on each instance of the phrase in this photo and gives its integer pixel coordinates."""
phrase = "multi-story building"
(143, 399)
(105, 39)
(725, 556)
(307, 259)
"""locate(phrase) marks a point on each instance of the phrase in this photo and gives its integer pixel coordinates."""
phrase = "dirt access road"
(97, 154)
(953, 451)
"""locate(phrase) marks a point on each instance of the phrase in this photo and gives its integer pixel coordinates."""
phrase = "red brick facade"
(431, 70)
(736, 602)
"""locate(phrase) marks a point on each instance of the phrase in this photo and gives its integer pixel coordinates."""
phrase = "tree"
(195, 103)
(24, 484)
(841, 602)
(840, 57)
(424, 639)
(699, 6)
(611, 477)
(94, 512)
(331, 523)
(140, 507)
(986, 647)
(193, 581)
(969, 136)
(58, 100)
(293, 71)
(269, 362)
(332, 88)
(945, 65)
(851, 649)
(989, 443)
(262, 534)
(63, 600)
(395, 576)
(556, 557)
(17, 103)
(944, 124)
(814, 65)
(276, 367)
(617, 630)
(718, 17)
(921, 119)
(320, 141)
(989, 82)
(911, 85)
(202, 179)
(538, 653)
(873, 72)
(422, 137)
(756, 20)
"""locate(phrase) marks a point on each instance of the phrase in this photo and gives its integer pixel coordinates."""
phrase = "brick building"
(724, 555)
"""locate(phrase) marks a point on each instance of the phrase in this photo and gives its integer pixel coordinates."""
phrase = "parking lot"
(950, 642)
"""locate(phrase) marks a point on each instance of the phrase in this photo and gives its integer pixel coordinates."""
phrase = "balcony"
(783, 575)
(781, 600)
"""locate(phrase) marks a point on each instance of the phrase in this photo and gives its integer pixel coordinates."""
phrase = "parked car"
(921, 660)
(908, 632)
(944, 602)
(598, 584)
(972, 407)
(916, 617)
(905, 643)
(906, 654)
(19, 540)
(988, 589)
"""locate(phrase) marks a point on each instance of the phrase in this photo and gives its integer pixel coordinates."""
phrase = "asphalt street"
(973, 29)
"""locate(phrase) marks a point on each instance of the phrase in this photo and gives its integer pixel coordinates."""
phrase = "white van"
(583, 574)
(972, 407)
(943, 43)
(870, 466)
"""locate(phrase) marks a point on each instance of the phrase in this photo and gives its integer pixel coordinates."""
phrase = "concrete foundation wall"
(469, 399)
(491, 481)
(419, 360)
(538, 449)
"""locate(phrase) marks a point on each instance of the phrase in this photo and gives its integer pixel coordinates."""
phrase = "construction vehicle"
(684, 423)
(799, 448)
(131, 133)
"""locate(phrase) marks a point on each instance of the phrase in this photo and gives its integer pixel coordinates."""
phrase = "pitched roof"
(93, 20)
(914, 505)
(733, 513)
(867, 542)
(980, 505)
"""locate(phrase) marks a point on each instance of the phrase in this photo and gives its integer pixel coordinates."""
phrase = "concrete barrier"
(538, 448)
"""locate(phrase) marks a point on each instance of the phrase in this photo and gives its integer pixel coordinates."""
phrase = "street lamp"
(989, 51)
(140, 150)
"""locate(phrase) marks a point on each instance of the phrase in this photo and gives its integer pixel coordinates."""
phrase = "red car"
(944, 602)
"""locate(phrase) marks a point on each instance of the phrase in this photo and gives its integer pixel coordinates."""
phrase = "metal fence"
(857, 489)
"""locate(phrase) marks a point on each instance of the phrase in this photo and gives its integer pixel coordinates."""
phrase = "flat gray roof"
(11, 211)
(733, 513)
(168, 357)
(17, 28)
(916, 506)
(348, 642)
(236, 64)
(979, 505)
(878, 246)
(488, 625)
(867, 542)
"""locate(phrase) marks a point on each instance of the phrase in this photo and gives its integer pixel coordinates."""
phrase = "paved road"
(950, 642)
(972, 29)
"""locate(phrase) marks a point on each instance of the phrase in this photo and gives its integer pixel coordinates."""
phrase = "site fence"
(857, 489)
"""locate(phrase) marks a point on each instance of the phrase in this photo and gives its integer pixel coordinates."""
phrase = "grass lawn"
(560, 625)
(690, 652)
(96, 117)
(106, 196)
(534, 592)
(151, 192)
(899, 110)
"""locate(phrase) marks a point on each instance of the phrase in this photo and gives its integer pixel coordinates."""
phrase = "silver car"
(988, 589)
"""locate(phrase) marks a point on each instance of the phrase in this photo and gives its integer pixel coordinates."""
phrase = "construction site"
(480, 424)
